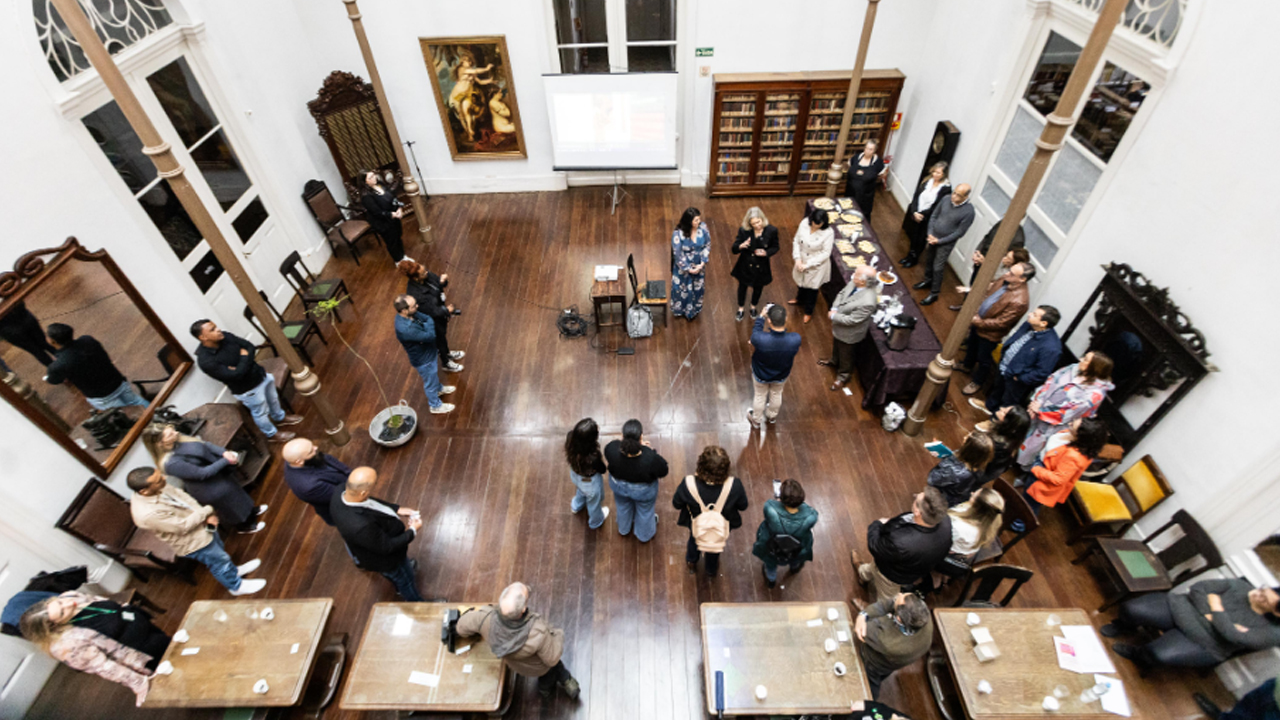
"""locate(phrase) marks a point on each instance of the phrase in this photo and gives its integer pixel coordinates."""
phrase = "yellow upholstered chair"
(1110, 509)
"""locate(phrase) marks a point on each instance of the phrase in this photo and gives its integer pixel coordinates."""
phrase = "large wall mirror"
(82, 355)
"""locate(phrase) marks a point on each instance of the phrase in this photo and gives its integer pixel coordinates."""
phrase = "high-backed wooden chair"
(100, 517)
(1110, 509)
(1019, 521)
(985, 581)
(334, 220)
(298, 331)
(638, 294)
(310, 289)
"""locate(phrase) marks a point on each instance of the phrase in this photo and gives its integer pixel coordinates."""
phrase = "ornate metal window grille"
(120, 23)
(1155, 20)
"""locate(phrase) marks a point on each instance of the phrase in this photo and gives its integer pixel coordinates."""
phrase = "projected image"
(476, 97)
(621, 120)
(612, 121)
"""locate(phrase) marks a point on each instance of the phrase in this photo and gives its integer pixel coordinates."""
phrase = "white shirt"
(929, 195)
(964, 536)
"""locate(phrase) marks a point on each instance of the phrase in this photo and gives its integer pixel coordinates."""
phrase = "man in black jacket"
(377, 533)
(83, 362)
(906, 548)
(230, 360)
(313, 476)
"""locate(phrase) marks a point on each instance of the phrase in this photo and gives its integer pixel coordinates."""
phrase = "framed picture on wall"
(471, 77)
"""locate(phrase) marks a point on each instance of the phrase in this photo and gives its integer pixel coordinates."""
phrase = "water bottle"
(1093, 693)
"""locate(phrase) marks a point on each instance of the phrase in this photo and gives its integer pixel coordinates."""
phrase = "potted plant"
(395, 424)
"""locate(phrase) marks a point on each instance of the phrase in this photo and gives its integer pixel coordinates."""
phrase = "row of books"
(869, 119)
(782, 106)
(780, 121)
(738, 107)
(736, 123)
(735, 138)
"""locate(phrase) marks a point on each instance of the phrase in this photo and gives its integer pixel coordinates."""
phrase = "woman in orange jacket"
(1065, 458)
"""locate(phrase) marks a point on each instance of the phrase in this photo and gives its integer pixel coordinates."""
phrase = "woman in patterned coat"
(690, 251)
(1072, 392)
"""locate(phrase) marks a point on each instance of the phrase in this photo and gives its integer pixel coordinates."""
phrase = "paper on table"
(293, 650)
(981, 635)
(466, 668)
(816, 622)
(1066, 655)
(402, 625)
(421, 678)
(1091, 656)
(1114, 701)
(842, 636)
(190, 651)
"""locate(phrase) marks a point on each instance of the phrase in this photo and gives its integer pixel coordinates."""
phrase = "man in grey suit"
(850, 319)
(948, 223)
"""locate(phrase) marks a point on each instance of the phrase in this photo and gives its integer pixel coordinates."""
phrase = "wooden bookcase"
(775, 133)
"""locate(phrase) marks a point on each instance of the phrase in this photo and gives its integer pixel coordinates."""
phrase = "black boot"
(921, 285)
(933, 298)
(908, 261)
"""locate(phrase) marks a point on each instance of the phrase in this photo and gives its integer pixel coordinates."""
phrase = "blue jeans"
(771, 569)
(634, 503)
(591, 495)
(215, 557)
(123, 396)
(264, 405)
(402, 578)
(430, 372)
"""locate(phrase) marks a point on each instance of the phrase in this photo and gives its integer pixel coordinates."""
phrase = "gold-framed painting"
(476, 96)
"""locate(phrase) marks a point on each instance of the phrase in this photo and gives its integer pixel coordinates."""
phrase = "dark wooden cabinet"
(775, 133)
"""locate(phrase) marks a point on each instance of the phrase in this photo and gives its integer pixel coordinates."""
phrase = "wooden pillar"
(161, 154)
(836, 174)
(1050, 142)
(410, 185)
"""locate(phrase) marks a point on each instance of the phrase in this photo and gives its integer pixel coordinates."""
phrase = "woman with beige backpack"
(710, 502)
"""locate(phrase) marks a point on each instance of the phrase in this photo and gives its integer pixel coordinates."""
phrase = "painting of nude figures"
(477, 99)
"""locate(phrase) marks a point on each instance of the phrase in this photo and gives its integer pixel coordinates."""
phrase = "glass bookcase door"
(826, 109)
(777, 138)
(737, 135)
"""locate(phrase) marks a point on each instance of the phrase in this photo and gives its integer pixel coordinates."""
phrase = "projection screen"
(612, 121)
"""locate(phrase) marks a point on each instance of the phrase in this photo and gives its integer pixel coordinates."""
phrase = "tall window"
(600, 36)
(1109, 108)
(120, 23)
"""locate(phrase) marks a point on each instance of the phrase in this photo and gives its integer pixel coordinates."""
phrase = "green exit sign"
(704, 52)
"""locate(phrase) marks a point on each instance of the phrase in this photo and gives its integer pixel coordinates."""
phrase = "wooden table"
(1027, 669)
(772, 644)
(1132, 567)
(604, 294)
(404, 638)
(237, 652)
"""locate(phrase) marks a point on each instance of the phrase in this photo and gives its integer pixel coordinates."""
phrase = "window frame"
(616, 41)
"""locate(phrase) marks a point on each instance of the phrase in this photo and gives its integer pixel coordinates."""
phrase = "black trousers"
(557, 674)
(756, 290)
(807, 299)
(842, 358)
(442, 339)
(1172, 647)
(691, 555)
(1005, 391)
(978, 356)
(392, 236)
(974, 275)
(918, 233)
(935, 265)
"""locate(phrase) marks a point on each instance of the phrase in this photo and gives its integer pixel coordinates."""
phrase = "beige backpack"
(710, 528)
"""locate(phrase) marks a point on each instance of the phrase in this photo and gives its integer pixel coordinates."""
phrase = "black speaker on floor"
(942, 148)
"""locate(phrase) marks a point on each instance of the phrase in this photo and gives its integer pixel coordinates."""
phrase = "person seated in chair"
(1214, 621)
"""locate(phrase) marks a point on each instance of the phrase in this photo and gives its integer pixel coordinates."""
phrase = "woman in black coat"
(710, 477)
(863, 177)
(384, 211)
(206, 475)
(428, 289)
(916, 222)
(757, 241)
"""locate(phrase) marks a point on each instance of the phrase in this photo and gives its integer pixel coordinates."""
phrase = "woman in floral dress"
(1072, 392)
(690, 251)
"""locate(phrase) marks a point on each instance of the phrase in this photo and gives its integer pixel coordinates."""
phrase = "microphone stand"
(417, 170)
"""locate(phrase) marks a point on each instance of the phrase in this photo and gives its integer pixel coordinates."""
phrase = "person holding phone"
(756, 243)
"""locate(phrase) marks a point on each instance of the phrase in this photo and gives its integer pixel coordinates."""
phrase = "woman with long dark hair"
(634, 470)
(1007, 428)
(957, 475)
(384, 212)
(811, 250)
(690, 252)
(916, 221)
(1065, 458)
(586, 470)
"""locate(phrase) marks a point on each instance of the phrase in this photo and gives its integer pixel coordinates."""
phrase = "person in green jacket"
(786, 535)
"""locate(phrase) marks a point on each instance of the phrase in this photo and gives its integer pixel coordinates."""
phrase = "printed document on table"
(1091, 655)
(1114, 700)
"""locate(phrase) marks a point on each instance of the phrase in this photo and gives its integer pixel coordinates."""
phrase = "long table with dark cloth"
(884, 374)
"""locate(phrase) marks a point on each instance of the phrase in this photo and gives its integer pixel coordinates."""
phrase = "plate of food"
(855, 261)
(833, 216)
(849, 230)
(867, 247)
(851, 217)
(886, 278)
(824, 204)
(846, 203)
(845, 247)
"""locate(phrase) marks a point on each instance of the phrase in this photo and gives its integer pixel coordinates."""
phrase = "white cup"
(761, 692)
(972, 619)
(830, 645)
(833, 614)
(164, 668)
(984, 687)
(181, 636)
(840, 669)
(261, 687)
(1050, 703)
(267, 614)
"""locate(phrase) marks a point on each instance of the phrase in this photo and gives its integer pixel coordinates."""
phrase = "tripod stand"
(616, 194)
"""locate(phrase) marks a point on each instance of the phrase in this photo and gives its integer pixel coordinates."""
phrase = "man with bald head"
(377, 532)
(948, 223)
(313, 476)
(850, 319)
(524, 639)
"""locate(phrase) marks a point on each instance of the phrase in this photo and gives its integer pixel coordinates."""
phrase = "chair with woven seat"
(639, 293)
(1110, 509)
(310, 289)
(298, 331)
(100, 517)
(1018, 519)
(334, 219)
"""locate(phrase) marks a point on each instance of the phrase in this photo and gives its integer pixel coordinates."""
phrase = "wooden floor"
(494, 492)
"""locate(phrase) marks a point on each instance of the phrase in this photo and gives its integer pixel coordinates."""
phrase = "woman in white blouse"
(811, 250)
(916, 221)
(973, 524)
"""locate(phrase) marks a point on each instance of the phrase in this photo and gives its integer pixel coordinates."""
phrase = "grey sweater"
(949, 222)
(1220, 635)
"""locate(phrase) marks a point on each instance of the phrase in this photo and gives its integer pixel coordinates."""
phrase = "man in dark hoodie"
(528, 643)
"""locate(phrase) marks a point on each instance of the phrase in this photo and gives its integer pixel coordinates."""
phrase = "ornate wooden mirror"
(109, 364)
(1159, 355)
(350, 121)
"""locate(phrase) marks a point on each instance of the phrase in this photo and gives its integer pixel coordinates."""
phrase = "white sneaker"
(604, 510)
(249, 587)
(248, 567)
(444, 408)
(452, 366)
(256, 528)
(261, 509)
(447, 389)
(457, 355)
